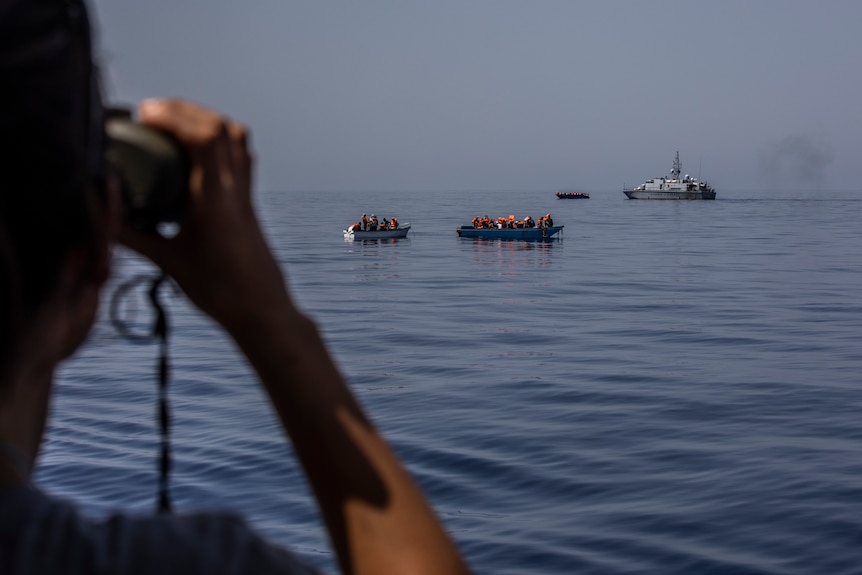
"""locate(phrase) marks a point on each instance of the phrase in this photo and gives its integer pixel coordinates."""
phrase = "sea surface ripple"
(671, 387)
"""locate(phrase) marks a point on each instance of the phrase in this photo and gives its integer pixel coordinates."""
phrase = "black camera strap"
(159, 331)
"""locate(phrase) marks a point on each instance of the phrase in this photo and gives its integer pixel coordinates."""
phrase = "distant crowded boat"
(508, 228)
(673, 188)
(530, 234)
(573, 195)
(358, 234)
(374, 229)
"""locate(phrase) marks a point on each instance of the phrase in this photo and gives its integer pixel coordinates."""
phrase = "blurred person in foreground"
(59, 217)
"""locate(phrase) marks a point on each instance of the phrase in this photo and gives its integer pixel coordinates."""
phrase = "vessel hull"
(669, 195)
(529, 234)
(377, 235)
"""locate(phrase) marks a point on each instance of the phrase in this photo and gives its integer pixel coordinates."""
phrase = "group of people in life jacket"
(372, 224)
(509, 223)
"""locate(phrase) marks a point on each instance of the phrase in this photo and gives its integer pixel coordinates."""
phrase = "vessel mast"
(676, 170)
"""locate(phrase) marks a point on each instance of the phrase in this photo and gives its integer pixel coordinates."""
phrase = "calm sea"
(670, 387)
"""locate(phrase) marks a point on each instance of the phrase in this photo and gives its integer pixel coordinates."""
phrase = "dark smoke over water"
(795, 161)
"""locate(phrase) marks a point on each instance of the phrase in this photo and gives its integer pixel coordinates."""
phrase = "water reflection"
(382, 241)
(380, 258)
(511, 255)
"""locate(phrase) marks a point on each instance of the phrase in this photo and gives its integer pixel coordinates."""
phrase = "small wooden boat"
(530, 234)
(400, 232)
(573, 195)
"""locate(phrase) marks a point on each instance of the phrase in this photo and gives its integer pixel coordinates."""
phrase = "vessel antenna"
(676, 170)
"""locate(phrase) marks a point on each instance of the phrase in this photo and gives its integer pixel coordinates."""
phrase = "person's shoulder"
(43, 534)
(204, 542)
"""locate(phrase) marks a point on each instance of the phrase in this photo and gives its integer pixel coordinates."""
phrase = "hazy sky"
(510, 94)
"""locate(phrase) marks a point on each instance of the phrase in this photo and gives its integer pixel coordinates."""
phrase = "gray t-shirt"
(40, 534)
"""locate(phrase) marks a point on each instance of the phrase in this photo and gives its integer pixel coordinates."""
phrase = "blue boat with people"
(508, 228)
(529, 234)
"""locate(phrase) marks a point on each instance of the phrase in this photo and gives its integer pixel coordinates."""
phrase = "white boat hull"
(669, 195)
(401, 232)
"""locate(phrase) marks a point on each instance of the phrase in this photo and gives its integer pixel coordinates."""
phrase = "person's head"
(52, 240)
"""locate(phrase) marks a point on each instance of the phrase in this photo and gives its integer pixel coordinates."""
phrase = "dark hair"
(50, 150)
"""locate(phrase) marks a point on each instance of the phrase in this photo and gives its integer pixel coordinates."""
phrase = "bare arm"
(377, 517)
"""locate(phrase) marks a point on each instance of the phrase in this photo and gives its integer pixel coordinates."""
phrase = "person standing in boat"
(61, 216)
(373, 224)
(364, 223)
(394, 223)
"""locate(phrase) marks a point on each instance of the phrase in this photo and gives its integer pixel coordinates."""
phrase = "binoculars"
(152, 167)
